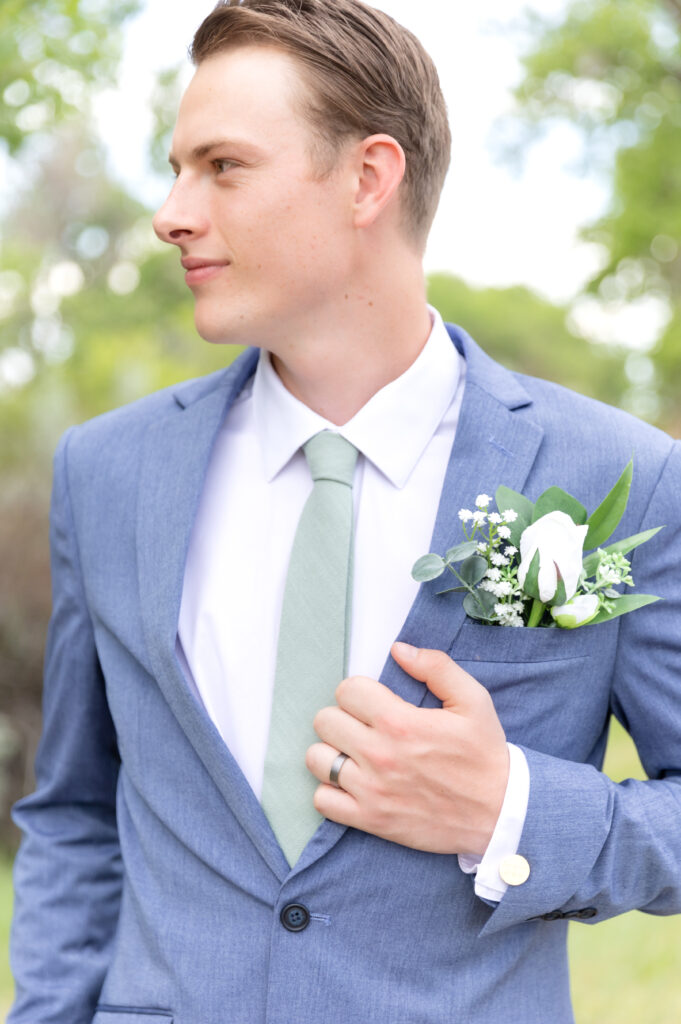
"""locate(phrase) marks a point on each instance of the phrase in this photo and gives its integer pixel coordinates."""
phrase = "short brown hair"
(367, 74)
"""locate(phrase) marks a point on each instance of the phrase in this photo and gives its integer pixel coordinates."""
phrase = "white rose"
(560, 543)
(576, 612)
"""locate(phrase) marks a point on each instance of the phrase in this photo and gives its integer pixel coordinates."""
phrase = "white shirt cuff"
(506, 836)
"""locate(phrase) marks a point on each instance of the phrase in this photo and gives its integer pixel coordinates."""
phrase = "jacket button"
(584, 914)
(295, 917)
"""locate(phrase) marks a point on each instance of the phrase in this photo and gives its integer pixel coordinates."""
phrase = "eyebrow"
(199, 152)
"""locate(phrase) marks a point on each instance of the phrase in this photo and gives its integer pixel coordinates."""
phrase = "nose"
(180, 218)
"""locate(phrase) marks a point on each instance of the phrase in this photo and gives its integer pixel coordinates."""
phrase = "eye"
(221, 166)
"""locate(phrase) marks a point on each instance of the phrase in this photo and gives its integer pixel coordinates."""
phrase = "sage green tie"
(313, 643)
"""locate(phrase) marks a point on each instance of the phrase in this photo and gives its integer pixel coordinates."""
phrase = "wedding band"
(334, 772)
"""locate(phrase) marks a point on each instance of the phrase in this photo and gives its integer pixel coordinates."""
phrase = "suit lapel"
(174, 465)
(496, 443)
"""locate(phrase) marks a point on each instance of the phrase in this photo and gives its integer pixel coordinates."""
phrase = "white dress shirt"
(256, 486)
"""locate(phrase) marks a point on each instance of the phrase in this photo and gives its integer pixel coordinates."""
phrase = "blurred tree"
(52, 52)
(529, 334)
(613, 70)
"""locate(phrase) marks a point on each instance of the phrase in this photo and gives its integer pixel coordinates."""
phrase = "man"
(172, 868)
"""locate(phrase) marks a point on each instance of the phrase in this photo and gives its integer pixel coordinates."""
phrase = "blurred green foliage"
(51, 54)
(613, 71)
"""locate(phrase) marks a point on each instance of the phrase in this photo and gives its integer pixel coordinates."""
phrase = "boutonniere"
(524, 564)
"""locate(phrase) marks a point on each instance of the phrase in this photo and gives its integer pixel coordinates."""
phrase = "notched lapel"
(496, 443)
(174, 465)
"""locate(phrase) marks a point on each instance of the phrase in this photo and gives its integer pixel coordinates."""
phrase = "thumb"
(444, 678)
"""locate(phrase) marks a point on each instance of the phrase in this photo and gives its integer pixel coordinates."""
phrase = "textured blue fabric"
(149, 880)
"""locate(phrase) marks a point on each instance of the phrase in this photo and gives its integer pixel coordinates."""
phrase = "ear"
(381, 164)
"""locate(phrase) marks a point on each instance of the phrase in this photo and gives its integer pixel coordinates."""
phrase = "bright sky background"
(493, 227)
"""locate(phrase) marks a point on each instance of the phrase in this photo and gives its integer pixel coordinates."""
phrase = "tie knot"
(331, 457)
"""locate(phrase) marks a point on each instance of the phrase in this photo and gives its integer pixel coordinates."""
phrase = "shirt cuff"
(506, 836)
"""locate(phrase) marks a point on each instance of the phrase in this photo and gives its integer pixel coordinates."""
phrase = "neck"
(371, 336)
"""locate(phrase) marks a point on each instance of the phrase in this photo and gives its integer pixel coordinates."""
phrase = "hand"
(430, 778)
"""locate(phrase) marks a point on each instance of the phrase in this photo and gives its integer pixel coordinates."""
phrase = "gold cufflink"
(514, 870)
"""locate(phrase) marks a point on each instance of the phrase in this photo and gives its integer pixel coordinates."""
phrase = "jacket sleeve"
(68, 871)
(597, 848)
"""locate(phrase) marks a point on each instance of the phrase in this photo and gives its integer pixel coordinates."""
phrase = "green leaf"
(473, 569)
(555, 499)
(461, 551)
(560, 596)
(626, 603)
(428, 567)
(605, 519)
(505, 498)
(477, 605)
(591, 562)
(453, 590)
(531, 584)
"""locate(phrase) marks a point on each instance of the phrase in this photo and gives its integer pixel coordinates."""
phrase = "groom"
(220, 832)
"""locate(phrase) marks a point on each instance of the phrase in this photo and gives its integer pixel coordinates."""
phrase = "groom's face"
(266, 243)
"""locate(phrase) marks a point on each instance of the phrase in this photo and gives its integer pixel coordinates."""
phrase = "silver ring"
(334, 771)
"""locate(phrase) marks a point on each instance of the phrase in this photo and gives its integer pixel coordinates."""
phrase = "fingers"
(366, 699)
(319, 760)
(448, 681)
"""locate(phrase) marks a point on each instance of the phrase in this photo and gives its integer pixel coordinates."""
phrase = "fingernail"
(406, 651)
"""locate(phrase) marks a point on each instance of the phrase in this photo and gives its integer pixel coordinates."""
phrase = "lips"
(199, 269)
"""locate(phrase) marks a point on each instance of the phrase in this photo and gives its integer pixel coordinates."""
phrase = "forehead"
(250, 91)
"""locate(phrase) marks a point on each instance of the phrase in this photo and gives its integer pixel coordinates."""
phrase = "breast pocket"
(550, 687)
(131, 1015)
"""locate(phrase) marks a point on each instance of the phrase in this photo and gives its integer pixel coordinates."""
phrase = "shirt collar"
(391, 430)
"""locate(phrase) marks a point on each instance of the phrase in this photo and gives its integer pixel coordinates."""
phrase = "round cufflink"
(514, 870)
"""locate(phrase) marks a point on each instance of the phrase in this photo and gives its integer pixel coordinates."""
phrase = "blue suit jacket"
(149, 884)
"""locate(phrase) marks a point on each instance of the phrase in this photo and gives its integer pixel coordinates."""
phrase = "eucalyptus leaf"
(591, 562)
(461, 551)
(428, 567)
(626, 603)
(604, 520)
(505, 499)
(453, 590)
(473, 569)
(555, 499)
(475, 608)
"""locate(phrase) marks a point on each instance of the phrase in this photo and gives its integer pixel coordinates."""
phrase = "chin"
(219, 332)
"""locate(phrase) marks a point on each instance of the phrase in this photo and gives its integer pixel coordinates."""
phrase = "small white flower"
(495, 518)
(465, 515)
(504, 589)
(482, 500)
(504, 532)
(493, 574)
(482, 547)
(498, 559)
(509, 551)
(577, 612)
(510, 515)
(479, 518)
(487, 585)
(507, 615)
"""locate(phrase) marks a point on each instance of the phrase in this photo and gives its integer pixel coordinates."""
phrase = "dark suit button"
(295, 917)
(553, 915)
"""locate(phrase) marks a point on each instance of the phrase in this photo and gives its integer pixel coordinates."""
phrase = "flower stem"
(536, 612)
